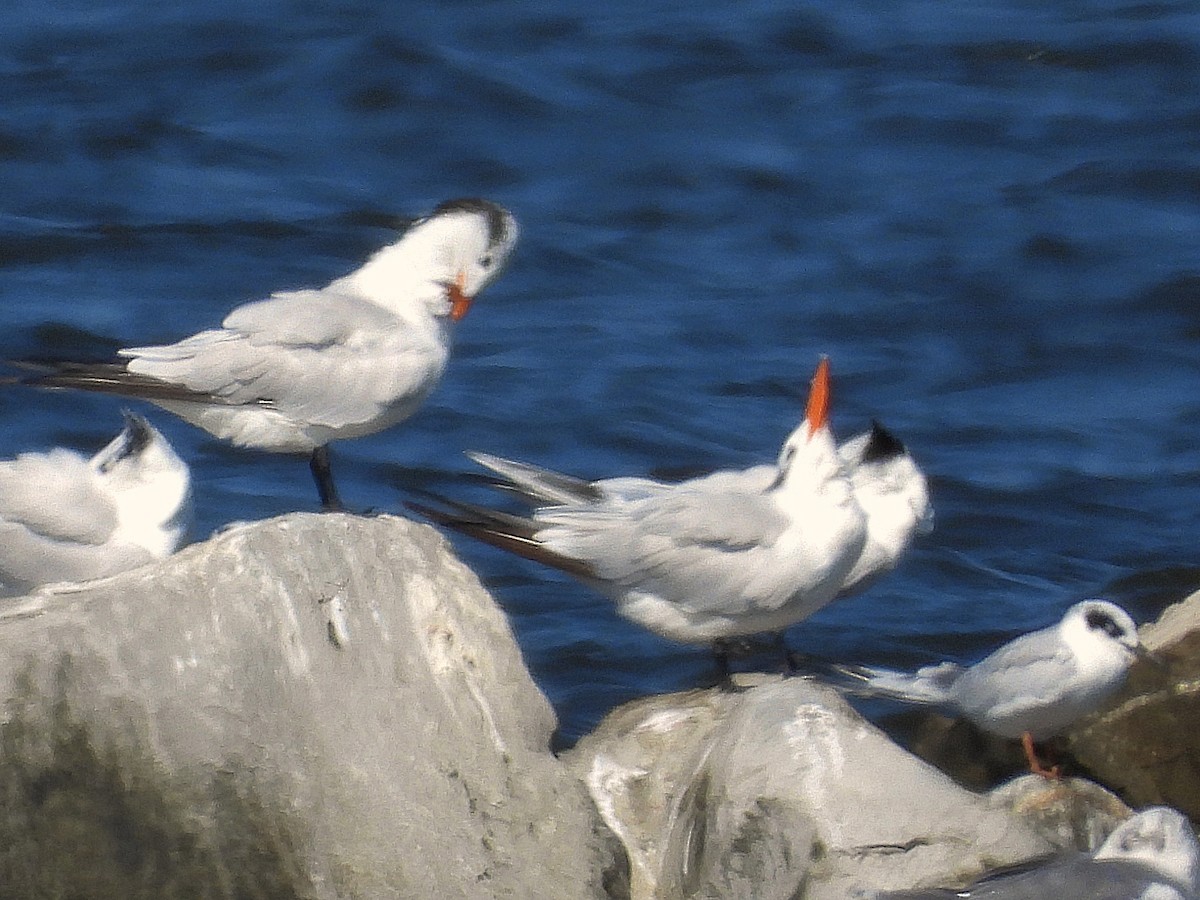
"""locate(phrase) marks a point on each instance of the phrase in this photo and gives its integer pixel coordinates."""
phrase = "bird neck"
(155, 518)
(812, 465)
(406, 276)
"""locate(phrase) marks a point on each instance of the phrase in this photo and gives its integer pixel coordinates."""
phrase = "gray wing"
(723, 521)
(1037, 660)
(309, 318)
(315, 356)
(698, 549)
(54, 496)
(547, 487)
(754, 480)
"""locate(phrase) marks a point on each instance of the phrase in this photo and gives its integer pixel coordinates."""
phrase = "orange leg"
(1031, 757)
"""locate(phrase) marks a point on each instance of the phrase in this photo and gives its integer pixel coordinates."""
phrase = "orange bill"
(817, 413)
(459, 302)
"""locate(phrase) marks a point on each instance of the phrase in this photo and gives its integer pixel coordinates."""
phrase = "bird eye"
(486, 261)
(1102, 621)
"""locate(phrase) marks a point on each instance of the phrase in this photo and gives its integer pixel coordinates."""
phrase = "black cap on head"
(497, 220)
(135, 438)
(881, 445)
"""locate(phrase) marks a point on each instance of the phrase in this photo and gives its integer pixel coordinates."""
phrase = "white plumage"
(1032, 687)
(729, 554)
(64, 517)
(300, 369)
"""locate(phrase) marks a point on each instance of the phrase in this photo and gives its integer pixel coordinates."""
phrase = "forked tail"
(931, 686)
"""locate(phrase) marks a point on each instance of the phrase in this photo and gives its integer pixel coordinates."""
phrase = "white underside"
(265, 428)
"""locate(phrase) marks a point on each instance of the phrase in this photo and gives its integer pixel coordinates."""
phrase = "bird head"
(1160, 838)
(149, 485)
(887, 481)
(1101, 634)
(441, 262)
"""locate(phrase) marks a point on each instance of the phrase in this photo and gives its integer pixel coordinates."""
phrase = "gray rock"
(1070, 813)
(782, 790)
(314, 706)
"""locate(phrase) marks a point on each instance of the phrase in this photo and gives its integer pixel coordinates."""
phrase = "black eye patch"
(1102, 621)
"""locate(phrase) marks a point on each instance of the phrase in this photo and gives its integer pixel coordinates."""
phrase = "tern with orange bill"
(702, 560)
(300, 369)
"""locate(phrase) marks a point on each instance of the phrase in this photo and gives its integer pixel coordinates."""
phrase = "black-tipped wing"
(507, 532)
(109, 378)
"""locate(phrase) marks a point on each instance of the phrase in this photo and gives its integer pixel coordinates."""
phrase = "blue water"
(986, 214)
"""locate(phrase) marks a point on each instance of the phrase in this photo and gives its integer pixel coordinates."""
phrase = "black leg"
(797, 663)
(722, 649)
(794, 661)
(323, 476)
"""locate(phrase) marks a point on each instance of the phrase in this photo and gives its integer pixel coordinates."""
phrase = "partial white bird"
(1032, 687)
(707, 559)
(1153, 855)
(302, 368)
(64, 517)
(893, 493)
(887, 483)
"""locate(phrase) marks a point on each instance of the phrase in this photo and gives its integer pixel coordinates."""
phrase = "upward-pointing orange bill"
(818, 398)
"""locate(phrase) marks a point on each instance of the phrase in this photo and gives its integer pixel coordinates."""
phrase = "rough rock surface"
(327, 706)
(1146, 744)
(314, 706)
(783, 791)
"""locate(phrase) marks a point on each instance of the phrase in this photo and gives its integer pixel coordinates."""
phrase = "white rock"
(782, 791)
(316, 706)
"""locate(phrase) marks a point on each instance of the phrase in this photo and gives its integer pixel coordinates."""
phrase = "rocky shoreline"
(332, 706)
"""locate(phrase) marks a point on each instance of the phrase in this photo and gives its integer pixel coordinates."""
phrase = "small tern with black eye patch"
(1032, 687)
(300, 369)
(64, 517)
(717, 557)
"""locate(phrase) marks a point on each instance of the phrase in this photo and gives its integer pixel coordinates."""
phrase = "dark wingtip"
(882, 445)
(113, 378)
(511, 533)
(441, 517)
